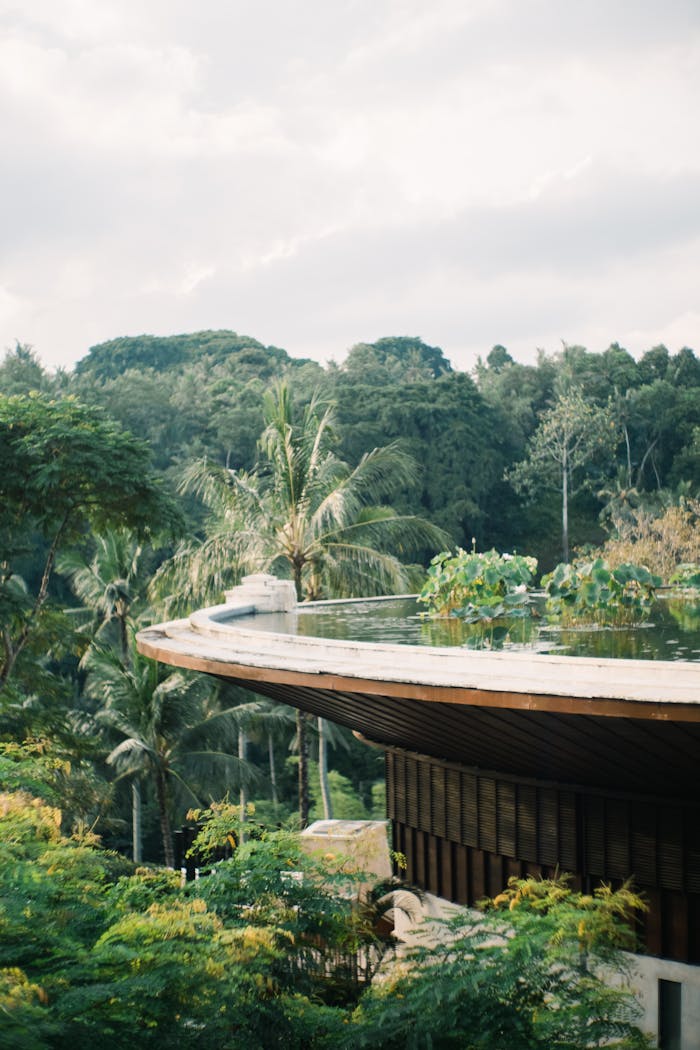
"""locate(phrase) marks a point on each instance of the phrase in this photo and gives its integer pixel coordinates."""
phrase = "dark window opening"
(670, 1015)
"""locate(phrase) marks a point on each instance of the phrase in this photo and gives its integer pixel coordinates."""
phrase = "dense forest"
(485, 460)
(158, 471)
(200, 395)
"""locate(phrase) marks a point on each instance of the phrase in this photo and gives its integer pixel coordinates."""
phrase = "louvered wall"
(465, 832)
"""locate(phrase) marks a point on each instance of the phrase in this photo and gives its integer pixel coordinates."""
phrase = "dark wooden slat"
(675, 925)
(617, 854)
(594, 837)
(477, 871)
(470, 810)
(434, 881)
(643, 840)
(496, 877)
(437, 787)
(447, 880)
(548, 827)
(487, 814)
(453, 805)
(461, 875)
(527, 822)
(506, 817)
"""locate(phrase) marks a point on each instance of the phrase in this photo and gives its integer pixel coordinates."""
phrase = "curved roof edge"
(211, 640)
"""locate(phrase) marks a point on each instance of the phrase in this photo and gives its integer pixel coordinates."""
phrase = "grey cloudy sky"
(319, 172)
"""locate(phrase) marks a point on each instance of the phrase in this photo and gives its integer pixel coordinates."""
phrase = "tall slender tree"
(568, 438)
(304, 514)
(112, 585)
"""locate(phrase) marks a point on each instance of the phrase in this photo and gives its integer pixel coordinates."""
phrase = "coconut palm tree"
(172, 732)
(305, 514)
(112, 585)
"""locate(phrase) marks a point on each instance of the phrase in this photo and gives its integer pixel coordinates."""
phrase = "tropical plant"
(686, 576)
(112, 586)
(529, 973)
(338, 921)
(63, 469)
(92, 952)
(111, 583)
(304, 514)
(592, 592)
(171, 731)
(477, 586)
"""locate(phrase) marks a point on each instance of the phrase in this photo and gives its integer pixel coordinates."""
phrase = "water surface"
(673, 632)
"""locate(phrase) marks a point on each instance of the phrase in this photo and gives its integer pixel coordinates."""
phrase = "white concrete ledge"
(219, 634)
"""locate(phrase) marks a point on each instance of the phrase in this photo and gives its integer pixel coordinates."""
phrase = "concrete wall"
(647, 971)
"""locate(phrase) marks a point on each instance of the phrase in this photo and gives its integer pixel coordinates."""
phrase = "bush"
(658, 540)
(478, 586)
(686, 577)
(527, 974)
(592, 592)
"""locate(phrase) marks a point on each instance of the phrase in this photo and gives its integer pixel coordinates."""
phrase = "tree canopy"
(64, 468)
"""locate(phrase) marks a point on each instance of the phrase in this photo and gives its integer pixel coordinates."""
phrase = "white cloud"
(316, 173)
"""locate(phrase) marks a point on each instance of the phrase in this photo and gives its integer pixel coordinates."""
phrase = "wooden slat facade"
(475, 796)
(490, 826)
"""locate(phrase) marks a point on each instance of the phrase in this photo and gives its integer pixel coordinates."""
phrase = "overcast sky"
(317, 173)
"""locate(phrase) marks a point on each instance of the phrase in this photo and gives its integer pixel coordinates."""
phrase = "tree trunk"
(164, 819)
(242, 747)
(136, 820)
(565, 507)
(303, 744)
(629, 456)
(323, 770)
(297, 569)
(273, 770)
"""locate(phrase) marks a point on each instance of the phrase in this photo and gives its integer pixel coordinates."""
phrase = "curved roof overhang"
(625, 724)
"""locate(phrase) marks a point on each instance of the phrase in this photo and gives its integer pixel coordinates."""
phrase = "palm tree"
(302, 513)
(112, 585)
(171, 732)
(305, 514)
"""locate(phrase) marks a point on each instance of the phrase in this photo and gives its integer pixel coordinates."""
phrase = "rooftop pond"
(672, 633)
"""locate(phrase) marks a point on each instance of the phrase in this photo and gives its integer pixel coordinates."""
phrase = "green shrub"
(528, 974)
(686, 576)
(478, 586)
(592, 592)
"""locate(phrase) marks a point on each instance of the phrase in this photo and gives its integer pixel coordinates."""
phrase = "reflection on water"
(672, 634)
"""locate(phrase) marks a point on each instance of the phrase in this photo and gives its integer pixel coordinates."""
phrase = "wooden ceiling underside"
(652, 758)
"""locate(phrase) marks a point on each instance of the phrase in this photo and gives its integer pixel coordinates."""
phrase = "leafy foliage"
(592, 592)
(659, 537)
(686, 576)
(64, 468)
(527, 974)
(169, 730)
(92, 949)
(476, 585)
(304, 512)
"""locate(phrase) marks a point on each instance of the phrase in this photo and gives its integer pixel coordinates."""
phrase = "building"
(501, 764)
